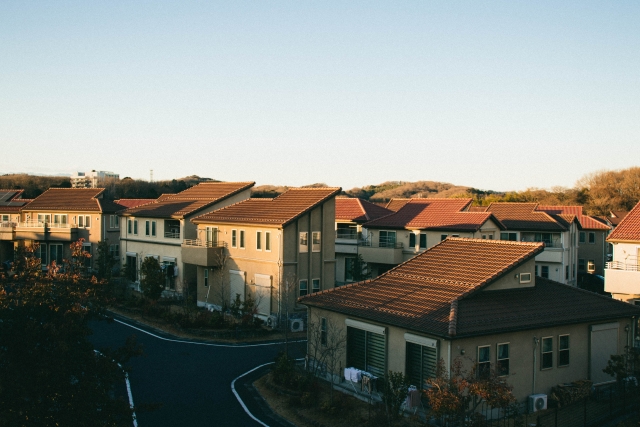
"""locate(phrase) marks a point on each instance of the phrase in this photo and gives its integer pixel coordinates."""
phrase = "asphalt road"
(192, 380)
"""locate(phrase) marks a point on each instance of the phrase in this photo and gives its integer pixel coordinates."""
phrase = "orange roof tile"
(132, 203)
(478, 208)
(396, 204)
(434, 214)
(67, 199)
(277, 211)
(523, 216)
(586, 222)
(358, 210)
(189, 201)
(629, 228)
(438, 292)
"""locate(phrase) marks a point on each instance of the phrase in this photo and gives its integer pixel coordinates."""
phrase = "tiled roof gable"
(629, 228)
(67, 199)
(523, 216)
(586, 222)
(358, 210)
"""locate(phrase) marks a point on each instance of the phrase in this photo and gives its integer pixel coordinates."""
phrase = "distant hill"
(400, 189)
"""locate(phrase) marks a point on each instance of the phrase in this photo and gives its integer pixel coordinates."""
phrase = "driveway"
(191, 380)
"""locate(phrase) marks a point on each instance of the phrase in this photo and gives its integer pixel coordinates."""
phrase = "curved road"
(191, 380)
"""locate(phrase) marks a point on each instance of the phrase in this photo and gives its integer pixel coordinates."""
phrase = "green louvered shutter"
(376, 354)
(421, 363)
(356, 348)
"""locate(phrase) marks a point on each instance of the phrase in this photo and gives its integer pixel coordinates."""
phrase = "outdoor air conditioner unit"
(272, 321)
(537, 402)
(297, 325)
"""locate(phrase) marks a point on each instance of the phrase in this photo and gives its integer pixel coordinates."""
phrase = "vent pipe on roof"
(453, 317)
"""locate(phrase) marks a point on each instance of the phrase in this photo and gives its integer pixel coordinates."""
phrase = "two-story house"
(559, 233)
(351, 213)
(271, 249)
(61, 216)
(157, 229)
(478, 300)
(592, 238)
(622, 274)
(419, 224)
(11, 202)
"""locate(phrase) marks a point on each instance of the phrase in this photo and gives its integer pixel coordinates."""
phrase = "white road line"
(233, 389)
(133, 414)
(204, 343)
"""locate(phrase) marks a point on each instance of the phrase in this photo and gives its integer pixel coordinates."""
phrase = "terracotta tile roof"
(439, 292)
(586, 222)
(523, 216)
(616, 217)
(419, 293)
(189, 201)
(277, 211)
(358, 210)
(629, 228)
(132, 203)
(67, 199)
(396, 204)
(434, 214)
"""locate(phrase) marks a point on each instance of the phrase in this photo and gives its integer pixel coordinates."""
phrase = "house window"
(323, 331)
(315, 241)
(525, 277)
(153, 228)
(544, 271)
(348, 269)
(206, 277)
(241, 239)
(443, 237)
(258, 240)
(591, 266)
(147, 228)
(546, 361)
(412, 240)
(421, 363)
(502, 359)
(55, 253)
(366, 351)
(44, 218)
(234, 238)
(87, 222)
(4, 218)
(387, 239)
(129, 225)
(592, 237)
(267, 241)
(583, 237)
(455, 235)
(211, 236)
(86, 248)
(536, 270)
(135, 227)
(315, 285)
(563, 350)
(566, 272)
(509, 236)
(304, 241)
(303, 287)
(60, 219)
(484, 361)
(423, 241)
(113, 221)
(114, 251)
(41, 253)
(581, 264)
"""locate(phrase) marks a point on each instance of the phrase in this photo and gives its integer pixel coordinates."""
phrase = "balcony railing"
(347, 234)
(382, 244)
(629, 264)
(7, 224)
(204, 243)
(172, 235)
(42, 224)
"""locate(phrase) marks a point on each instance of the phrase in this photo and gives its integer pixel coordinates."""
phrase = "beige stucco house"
(157, 229)
(479, 300)
(273, 250)
(418, 224)
(60, 216)
(622, 274)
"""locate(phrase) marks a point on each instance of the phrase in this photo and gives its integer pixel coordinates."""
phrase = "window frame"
(582, 265)
(206, 277)
(234, 238)
(562, 351)
(509, 234)
(258, 240)
(548, 354)
(129, 226)
(316, 236)
(301, 289)
(420, 239)
(87, 221)
(525, 277)
(543, 269)
(241, 243)
(153, 229)
(135, 227)
(591, 238)
(303, 242)
(267, 241)
(582, 237)
(591, 266)
(483, 367)
(412, 240)
(385, 243)
(315, 288)
(501, 361)
(147, 228)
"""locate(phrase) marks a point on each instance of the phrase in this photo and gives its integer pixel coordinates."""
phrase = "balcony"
(172, 234)
(7, 230)
(622, 277)
(202, 252)
(383, 252)
(36, 230)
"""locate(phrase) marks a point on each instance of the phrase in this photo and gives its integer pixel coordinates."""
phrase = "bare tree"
(327, 343)
(220, 279)
(286, 297)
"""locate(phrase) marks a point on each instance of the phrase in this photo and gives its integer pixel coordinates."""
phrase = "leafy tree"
(623, 365)
(152, 282)
(50, 374)
(359, 269)
(395, 392)
(458, 394)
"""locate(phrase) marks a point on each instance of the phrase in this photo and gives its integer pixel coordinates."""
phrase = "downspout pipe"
(535, 354)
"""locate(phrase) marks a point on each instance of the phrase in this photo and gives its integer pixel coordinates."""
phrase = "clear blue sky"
(496, 95)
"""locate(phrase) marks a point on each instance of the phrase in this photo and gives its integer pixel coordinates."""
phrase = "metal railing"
(44, 224)
(204, 243)
(383, 244)
(629, 264)
(7, 224)
(171, 235)
(347, 234)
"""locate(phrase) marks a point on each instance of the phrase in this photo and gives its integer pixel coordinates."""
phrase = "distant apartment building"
(11, 202)
(93, 179)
